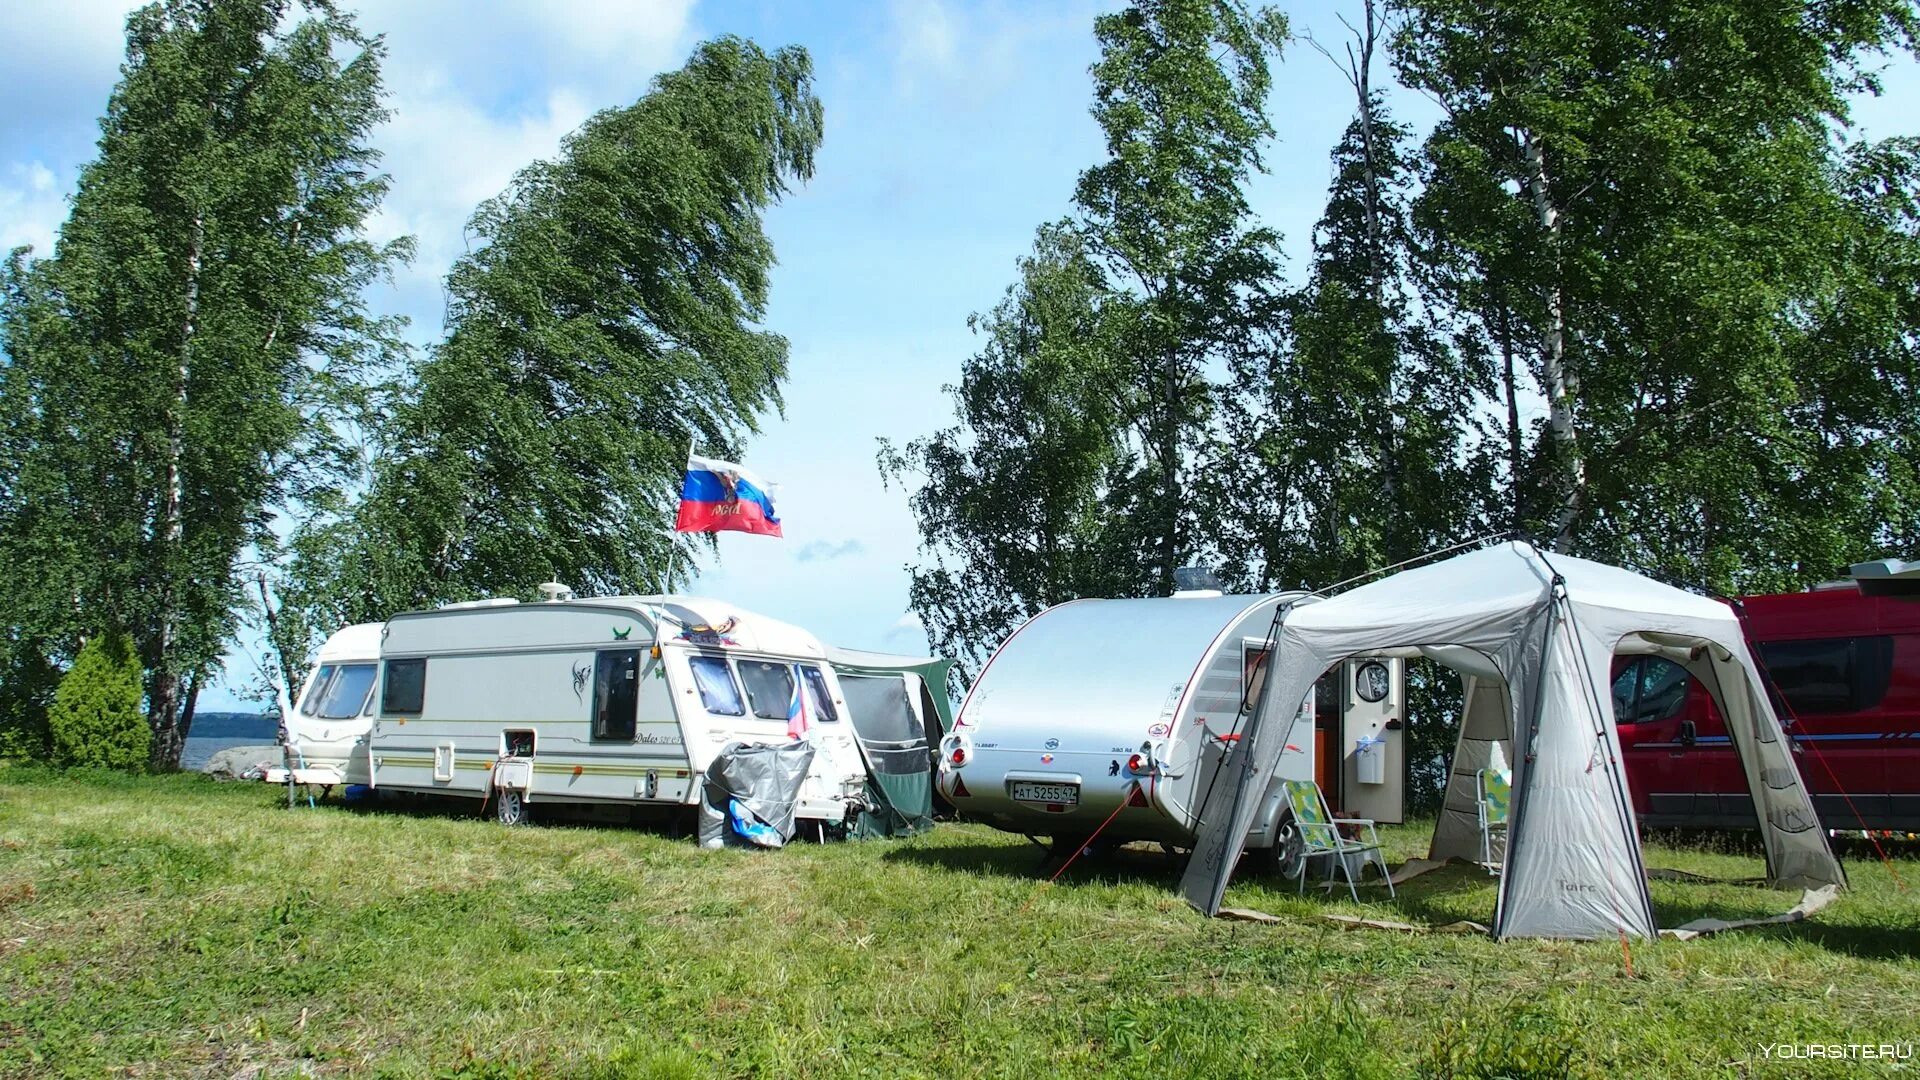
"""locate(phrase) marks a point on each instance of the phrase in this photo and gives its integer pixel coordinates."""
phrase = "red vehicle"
(1844, 664)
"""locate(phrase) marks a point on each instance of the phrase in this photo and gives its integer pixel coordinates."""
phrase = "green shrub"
(96, 717)
(27, 682)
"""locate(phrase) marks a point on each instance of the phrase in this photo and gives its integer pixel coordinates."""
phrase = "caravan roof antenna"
(552, 592)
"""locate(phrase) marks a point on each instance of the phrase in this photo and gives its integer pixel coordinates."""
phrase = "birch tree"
(609, 317)
(1127, 312)
(1658, 210)
(1015, 499)
(1346, 444)
(175, 354)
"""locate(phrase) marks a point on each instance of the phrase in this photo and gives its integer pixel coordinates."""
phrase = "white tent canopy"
(1534, 636)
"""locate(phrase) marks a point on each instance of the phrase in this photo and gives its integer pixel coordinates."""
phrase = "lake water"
(214, 732)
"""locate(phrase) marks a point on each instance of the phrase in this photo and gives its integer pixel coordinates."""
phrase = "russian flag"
(720, 496)
(797, 721)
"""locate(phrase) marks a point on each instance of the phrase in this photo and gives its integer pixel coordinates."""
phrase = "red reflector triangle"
(1136, 797)
(960, 789)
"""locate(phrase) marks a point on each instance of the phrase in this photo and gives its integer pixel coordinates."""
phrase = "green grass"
(170, 926)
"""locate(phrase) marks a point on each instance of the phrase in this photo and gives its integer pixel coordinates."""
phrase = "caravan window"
(769, 688)
(1253, 674)
(717, 690)
(316, 688)
(342, 697)
(404, 690)
(1326, 699)
(817, 696)
(616, 694)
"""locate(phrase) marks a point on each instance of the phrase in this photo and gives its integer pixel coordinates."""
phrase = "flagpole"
(673, 535)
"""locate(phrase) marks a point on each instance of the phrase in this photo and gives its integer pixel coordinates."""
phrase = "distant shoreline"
(214, 732)
(230, 725)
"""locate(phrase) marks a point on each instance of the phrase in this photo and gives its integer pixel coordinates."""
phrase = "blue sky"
(953, 130)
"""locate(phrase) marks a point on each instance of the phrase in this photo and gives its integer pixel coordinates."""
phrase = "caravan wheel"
(510, 807)
(1287, 856)
(1289, 850)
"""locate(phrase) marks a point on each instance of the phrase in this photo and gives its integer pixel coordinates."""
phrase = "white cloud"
(492, 52)
(78, 38)
(479, 93)
(31, 208)
(828, 550)
(642, 33)
(907, 629)
(58, 62)
(925, 37)
(965, 53)
(446, 155)
(476, 92)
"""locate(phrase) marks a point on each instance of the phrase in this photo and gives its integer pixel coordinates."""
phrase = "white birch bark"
(1561, 385)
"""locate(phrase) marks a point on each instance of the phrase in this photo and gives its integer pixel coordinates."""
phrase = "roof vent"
(1886, 577)
(1189, 581)
(552, 592)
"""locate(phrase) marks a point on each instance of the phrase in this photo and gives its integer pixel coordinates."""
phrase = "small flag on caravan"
(720, 496)
(797, 721)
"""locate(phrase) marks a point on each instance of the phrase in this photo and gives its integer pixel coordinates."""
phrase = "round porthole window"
(1372, 681)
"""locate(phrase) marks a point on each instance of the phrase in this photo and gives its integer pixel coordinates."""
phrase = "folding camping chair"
(1320, 835)
(1494, 798)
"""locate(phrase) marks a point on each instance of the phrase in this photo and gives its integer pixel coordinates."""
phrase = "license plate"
(1046, 794)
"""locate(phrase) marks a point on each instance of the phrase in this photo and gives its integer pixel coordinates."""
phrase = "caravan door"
(1372, 740)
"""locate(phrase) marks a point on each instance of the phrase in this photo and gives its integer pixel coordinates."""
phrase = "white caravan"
(616, 701)
(327, 730)
(1114, 715)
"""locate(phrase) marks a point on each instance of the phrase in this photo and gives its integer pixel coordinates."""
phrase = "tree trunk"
(289, 677)
(185, 726)
(1363, 86)
(1516, 454)
(1170, 476)
(1561, 385)
(163, 708)
(1376, 283)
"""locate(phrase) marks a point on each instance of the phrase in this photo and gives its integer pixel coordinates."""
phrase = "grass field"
(169, 926)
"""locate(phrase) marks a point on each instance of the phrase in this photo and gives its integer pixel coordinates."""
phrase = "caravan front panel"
(327, 728)
(727, 694)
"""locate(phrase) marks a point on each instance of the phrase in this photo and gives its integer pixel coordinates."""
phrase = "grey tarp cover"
(1536, 635)
(766, 778)
(894, 743)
